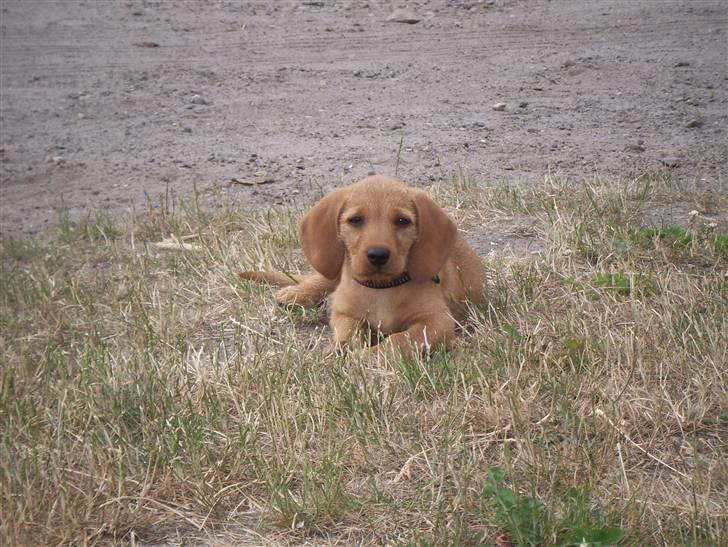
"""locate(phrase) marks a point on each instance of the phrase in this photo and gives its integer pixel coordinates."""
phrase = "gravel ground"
(104, 103)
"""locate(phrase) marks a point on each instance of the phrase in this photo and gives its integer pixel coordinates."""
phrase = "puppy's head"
(383, 227)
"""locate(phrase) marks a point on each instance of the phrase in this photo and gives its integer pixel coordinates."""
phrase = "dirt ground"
(105, 102)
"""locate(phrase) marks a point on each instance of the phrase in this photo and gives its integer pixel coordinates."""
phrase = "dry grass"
(148, 394)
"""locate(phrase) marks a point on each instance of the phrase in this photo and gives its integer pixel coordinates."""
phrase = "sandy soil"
(105, 102)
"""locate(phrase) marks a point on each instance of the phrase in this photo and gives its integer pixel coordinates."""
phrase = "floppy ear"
(436, 236)
(319, 234)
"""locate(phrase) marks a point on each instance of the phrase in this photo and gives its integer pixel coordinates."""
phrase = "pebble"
(694, 123)
(122, 291)
(499, 107)
(638, 148)
(670, 161)
(403, 16)
(199, 99)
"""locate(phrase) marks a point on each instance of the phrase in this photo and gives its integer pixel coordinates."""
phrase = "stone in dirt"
(403, 16)
(199, 99)
(670, 161)
(499, 107)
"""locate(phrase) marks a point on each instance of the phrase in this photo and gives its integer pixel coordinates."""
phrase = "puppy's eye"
(355, 220)
(403, 221)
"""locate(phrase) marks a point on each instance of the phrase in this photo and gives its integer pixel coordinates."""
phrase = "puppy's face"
(382, 227)
(378, 228)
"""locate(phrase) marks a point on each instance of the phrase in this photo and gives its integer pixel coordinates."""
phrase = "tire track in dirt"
(442, 46)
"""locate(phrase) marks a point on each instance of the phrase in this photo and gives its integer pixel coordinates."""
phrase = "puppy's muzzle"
(378, 256)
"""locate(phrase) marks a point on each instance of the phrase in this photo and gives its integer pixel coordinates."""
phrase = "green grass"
(149, 394)
(572, 521)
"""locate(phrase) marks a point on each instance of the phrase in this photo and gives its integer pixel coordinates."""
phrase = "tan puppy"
(391, 261)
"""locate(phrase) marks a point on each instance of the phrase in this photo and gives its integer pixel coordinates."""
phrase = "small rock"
(187, 129)
(199, 99)
(681, 64)
(637, 148)
(670, 161)
(58, 160)
(403, 16)
(695, 123)
(523, 104)
(499, 107)
(122, 291)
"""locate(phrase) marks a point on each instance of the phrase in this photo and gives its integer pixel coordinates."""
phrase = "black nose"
(378, 255)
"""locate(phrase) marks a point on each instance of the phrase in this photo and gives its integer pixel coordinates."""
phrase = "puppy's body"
(390, 259)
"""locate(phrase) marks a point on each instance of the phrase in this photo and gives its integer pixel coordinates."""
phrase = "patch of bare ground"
(305, 96)
(516, 236)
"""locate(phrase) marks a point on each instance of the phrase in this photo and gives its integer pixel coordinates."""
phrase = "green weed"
(528, 521)
(622, 283)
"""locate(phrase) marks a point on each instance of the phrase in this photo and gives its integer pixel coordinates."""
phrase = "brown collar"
(401, 280)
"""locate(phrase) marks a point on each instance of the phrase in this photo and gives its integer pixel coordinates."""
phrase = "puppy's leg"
(345, 329)
(310, 290)
(430, 333)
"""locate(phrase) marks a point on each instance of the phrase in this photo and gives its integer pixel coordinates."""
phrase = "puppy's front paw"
(333, 349)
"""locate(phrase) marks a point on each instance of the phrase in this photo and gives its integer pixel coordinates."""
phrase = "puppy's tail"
(277, 279)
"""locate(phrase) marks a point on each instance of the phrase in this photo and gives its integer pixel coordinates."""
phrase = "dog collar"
(401, 280)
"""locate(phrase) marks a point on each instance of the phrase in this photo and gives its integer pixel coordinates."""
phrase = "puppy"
(390, 260)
